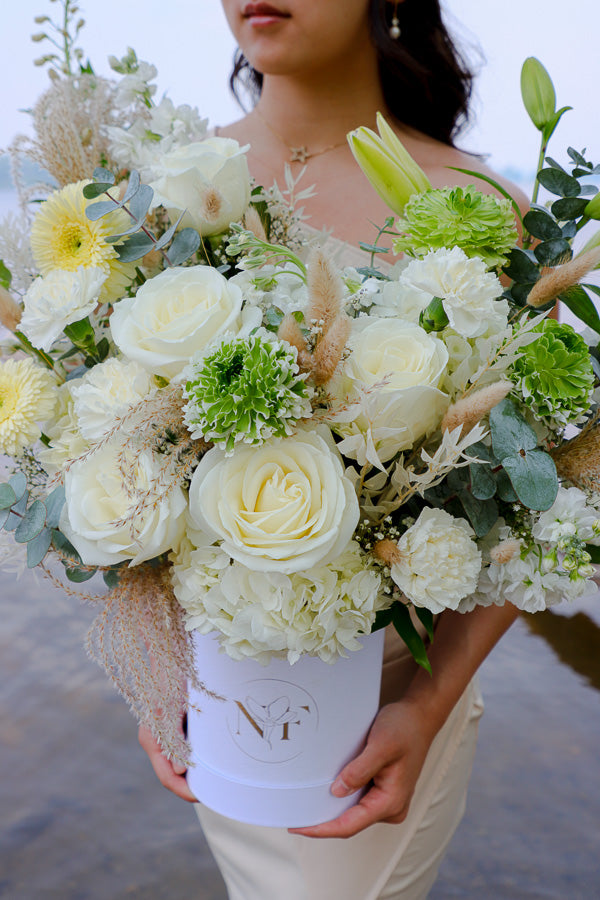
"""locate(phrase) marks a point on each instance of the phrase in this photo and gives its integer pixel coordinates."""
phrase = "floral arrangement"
(243, 438)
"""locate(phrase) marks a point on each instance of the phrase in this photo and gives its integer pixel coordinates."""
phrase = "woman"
(326, 67)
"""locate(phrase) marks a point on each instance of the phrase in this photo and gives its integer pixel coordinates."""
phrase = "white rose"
(284, 506)
(467, 290)
(388, 388)
(175, 315)
(439, 561)
(107, 391)
(97, 501)
(57, 300)
(209, 179)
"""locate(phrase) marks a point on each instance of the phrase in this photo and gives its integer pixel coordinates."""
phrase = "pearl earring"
(395, 26)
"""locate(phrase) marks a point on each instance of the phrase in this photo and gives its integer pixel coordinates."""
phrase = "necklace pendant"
(299, 154)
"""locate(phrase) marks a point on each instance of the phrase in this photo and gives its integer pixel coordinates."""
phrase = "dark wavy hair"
(426, 81)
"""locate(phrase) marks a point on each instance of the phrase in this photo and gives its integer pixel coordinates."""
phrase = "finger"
(373, 807)
(362, 769)
(164, 770)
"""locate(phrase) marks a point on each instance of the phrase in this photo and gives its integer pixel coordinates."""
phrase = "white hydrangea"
(59, 299)
(467, 290)
(569, 516)
(107, 391)
(439, 561)
(320, 611)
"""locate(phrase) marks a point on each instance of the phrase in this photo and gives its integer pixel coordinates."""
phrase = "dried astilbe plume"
(10, 311)
(140, 640)
(330, 326)
(578, 460)
(468, 411)
(387, 551)
(557, 280)
(69, 119)
(253, 223)
(505, 551)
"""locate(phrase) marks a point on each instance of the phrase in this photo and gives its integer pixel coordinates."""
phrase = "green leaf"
(558, 183)
(81, 334)
(101, 174)
(32, 522)
(576, 299)
(483, 481)
(371, 248)
(3, 516)
(38, 547)
(533, 476)
(185, 243)
(506, 491)
(5, 275)
(541, 225)
(594, 552)
(382, 619)
(134, 247)
(550, 128)
(111, 577)
(7, 496)
(425, 617)
(54, 503)
(521, 267)
(482, 514)
(78, 576)
(409, 634)
(91, 191)
(98, 210)
(553, 253)
(568, 208)
(510, 432)
(18, 483)
(168, 235)
(17, 512)
(63, 545)
(133, 187)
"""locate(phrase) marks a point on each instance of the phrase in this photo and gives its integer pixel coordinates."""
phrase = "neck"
(320, 107)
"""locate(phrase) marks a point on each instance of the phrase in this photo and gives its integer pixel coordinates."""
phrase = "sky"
(189, 42)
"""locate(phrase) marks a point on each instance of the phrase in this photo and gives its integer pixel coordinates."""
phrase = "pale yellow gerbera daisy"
(27, 396)
(62, 237)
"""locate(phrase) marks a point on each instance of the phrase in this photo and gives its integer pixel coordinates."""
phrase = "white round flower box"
(269, 752)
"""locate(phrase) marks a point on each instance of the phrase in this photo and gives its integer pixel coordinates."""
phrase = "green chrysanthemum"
(554, 374)
(479, 224)
(249, 390)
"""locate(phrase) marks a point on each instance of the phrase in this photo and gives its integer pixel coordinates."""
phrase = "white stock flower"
(136, 84)
(209, 179)
(175, 315)
(388, 388)
(282, 507)
(99, 516)
(59, 299)
(440, 562)
(270, 287)
(319, 611)
(107, 391)
(569, 516)
(467, 290)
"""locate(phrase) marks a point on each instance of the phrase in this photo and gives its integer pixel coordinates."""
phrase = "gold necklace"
(301, 153)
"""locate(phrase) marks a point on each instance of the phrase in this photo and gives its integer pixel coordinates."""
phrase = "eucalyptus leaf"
(569, 230)
(76, 373)
(134, 247)
(568, 208)
(96, 211)
(520, 293)
(32, 522)
(111, 577)
(371, 248)
(18, 483)
(482, 514)
(95, 189)
(533, 476)
(510, 432)
(403, 624)
(38, 547)
(578, 301)
(7, 496)
(185, 243)
(505, 490)
(3, 517)
(521, 266)
(63, 545)
(552, 253)
(16, 514)
(78, 576)
(168, 235)
(541, 225)
(558, 182)
(54, 503)
(483, 481)
(101, 174)
(133, 187)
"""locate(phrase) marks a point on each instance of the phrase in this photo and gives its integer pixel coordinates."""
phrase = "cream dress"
(384, 862)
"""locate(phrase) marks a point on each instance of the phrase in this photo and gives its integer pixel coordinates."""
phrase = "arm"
(402, 732)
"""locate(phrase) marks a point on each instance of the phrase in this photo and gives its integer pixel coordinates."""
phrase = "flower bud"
(389, 167)
(569, 564)
(586, 571)
(549, 562)
(538, 93)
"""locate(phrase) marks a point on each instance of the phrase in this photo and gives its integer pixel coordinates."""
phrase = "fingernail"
(339, 789)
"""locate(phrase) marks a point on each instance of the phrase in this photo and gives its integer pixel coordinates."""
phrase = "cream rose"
(96, 501)
(285, 506)
(209, 179)
(439, 562)
(388, 388)
(175, 315)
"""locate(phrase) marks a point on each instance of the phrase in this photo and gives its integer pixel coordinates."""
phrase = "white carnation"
(66, 440)
(107, 391)
(467, 290)
(57, 300)
(439, 561)
(320, 611)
